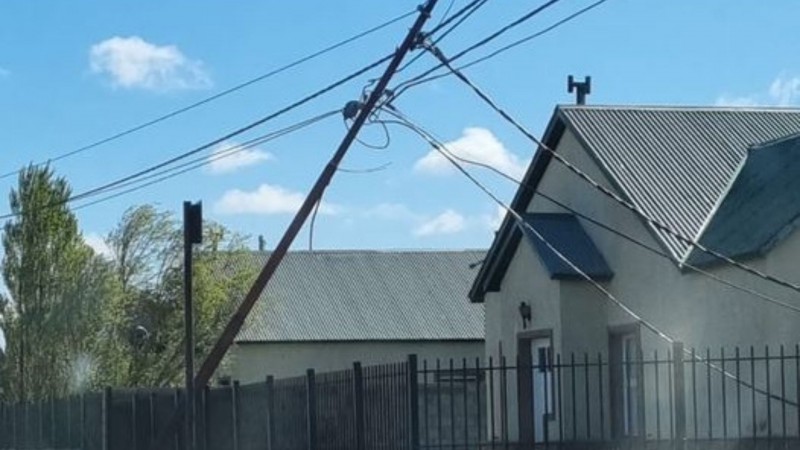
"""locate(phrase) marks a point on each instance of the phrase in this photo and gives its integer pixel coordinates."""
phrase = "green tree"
(44, 268)
(142, 341)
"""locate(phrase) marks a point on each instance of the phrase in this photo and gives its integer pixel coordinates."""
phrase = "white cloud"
(4, 72)
(225, 159)
(783, 91)
(132, 62)
(493, 221)
(448, 222)
(392, 211)
(266, 199)
(476, 144)
(98, 244)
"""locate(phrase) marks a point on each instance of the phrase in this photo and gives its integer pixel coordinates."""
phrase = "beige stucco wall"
(687, 306)
(253, 362)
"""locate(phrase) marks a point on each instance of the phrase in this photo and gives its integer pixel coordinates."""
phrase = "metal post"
(678, 393)
(270, 388)
(192, 234)
(107, 418)
(413, 401)
(235, 413)
(358, 403)
(311, 406)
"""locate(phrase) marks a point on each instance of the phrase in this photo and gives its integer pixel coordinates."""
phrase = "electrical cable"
(529, 15)
(200, 162)
(607, 192)
(438, 146)
(282, 111)
(215, 96)
(411, 83)
(405, 121)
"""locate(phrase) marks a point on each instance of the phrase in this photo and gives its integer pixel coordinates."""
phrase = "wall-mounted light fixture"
(525, 313)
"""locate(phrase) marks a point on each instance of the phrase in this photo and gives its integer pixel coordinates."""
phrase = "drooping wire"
(438, 146)
(216, 96)
(405, 121)
(605, 191)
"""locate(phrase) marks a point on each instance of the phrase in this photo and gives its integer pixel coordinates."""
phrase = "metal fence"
(721, 399)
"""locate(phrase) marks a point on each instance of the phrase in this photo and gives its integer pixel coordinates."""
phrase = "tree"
(142, 341)
(44, 266)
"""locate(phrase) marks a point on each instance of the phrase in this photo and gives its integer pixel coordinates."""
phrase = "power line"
(628, 205)
(405, 121)
(280, 112)
(197, 163)
(210, 99)
(442, 149)
(417, 80)
(402, 87)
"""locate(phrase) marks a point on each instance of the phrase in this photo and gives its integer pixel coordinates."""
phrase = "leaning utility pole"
(192, 234)
(235, 324)
(225, 340)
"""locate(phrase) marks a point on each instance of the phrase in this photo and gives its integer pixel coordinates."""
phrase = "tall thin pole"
(234, 325)
(192, 234)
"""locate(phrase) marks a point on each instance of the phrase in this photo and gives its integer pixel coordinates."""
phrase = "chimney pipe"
(262, 243)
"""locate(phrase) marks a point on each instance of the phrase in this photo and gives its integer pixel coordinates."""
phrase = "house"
(728, 178)
(326, 309)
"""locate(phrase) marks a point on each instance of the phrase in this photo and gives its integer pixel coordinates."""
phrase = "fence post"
(679, 393)
(235, 413)
(106, 408)
(83, 420)
(358, 404)
(311, 406)
(206, 412)
(53, 437)
(413, 401)
(270, 386)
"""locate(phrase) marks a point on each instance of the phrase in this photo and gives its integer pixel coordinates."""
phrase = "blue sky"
(75, 72)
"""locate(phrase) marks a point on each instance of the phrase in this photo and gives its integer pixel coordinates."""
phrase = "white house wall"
(687, 306)
(253, 362)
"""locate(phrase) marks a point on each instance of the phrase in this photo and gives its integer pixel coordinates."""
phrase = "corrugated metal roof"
(675, 163)
(762, 202)
(367, 295)
(565, 233)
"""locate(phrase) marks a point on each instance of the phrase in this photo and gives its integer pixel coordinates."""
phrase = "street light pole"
(192, 234)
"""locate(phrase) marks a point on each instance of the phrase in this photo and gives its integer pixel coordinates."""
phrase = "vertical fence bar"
(107, 418)
(783, 394)
(708, 393)
(14, 431)
(450, 376)
(504, 399)
(53, 443)
(478, 377)
(466, 413)
(358, 404)
(235, 413)
(694, 391)
(671, 414)
(559, 404)
(438, 377)
(491, 434)
(151, 415)
(769, 391)
(722, 374)
(425, 403)
(600, 390)
(737, 355)
(269, 387)
(574, 400)
(70, 424)
(134, 423)
(39, 410)
(752, 388)
(311, 406)
(413, 399)
(658, 396)
(176, 401)
(679, 393)
(83, 420)
(797, 383)
(206, 395)
(586, 393)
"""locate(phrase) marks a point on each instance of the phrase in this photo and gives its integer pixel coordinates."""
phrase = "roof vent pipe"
(581, 89)
(262, 243)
